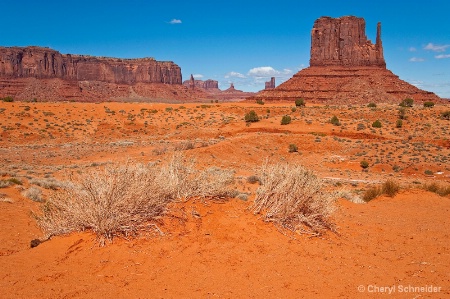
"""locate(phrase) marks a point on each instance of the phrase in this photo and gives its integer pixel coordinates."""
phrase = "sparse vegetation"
(7, 99)
(253, 179)
(335, 121)
(389, 188)
(407, 102)
(251, 116)
(440, 189)
(446, 115)
(402, 113)
(372, 105)
(300, 103)
(428, 172)
(428, 104)
(33, 193)
(260, 102)
(376, 124)
(293, 148)
(364, 164)
(293, 197)
(285, 120)
(399, 123)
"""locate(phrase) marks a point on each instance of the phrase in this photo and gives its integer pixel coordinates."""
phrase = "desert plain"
(220, 248)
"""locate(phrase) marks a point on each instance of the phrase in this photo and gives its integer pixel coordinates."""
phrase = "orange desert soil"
(221, 249)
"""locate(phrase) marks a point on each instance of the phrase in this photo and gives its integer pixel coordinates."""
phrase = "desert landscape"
(335, 184)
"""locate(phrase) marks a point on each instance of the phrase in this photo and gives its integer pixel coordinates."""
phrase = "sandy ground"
(395, 245)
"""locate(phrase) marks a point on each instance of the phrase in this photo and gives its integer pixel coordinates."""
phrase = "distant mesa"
(345, 68)
(206, 85)
(45, 63)
(28, 73)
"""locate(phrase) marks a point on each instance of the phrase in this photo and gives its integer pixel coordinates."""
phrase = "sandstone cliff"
(37, 62)
(343, 42)
(345, 68)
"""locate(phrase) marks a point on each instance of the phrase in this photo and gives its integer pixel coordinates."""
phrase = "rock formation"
(43, 63)
(47, 75)
(345, 68)
(270, 84)
(207, 84)
(343, 42)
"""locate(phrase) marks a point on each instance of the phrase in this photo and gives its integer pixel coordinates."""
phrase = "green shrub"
(285, 120)
(251, 117)
(399, 123)
(428, 104)
(428, 172)
(407, 103)
(376, 124)
(364, 164)
(300, 103)
(260, 102)
(335, 121)
(293, 109)
(372, 105)
(7, 99)
(293, 148)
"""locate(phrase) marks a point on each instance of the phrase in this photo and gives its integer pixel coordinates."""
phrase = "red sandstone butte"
(345, 68)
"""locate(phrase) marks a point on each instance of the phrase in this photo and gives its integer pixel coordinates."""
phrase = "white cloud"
(263, 71)
(416, 59)
(197, 76)
(441, 56)
(436, 48)
(412, 49)
(234, 75)
(175, 21)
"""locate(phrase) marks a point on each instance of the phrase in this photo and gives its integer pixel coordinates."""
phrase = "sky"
(244, 42)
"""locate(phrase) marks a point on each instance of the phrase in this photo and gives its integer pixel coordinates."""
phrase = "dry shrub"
(33, 193)
(371, 193)
(47, 183)
(390, 188)
(180, 179)
(442, 190)
(124, 200)
(293, 197)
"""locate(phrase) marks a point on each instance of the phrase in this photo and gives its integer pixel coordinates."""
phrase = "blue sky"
(245, 42)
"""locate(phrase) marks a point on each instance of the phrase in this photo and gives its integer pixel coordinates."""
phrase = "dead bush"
(293, 197)
(181, 180)
(390, 188)
(33, 193)
(441, 190)
(124, 200)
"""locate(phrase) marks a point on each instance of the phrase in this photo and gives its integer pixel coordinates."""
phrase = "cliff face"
(45, 63)
(343, 42)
